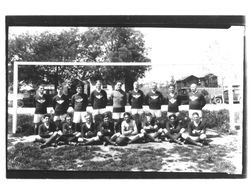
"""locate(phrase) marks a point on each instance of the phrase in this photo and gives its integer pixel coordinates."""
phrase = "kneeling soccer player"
(196, 131)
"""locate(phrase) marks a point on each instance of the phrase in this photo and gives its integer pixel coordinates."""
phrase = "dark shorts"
(118, 109)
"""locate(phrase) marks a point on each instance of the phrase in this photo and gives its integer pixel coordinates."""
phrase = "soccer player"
(41, 102)
(174, 129)
(79, 102)
(68, 132)
(154, 99)
(150, 128)
(98, 99)
(106, 130)
(47, 132)
(196, 101)
(88, 131)
(196, 131)
(60, 104)
(173, 101)
(119, 99)
(136, 99)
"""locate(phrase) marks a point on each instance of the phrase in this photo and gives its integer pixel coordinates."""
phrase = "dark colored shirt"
(107, 128)
(68, 128)
(60, 104)
(98, 99)
(88, 131)
(44, 131)
(79, 102)
(173, 102)
(200, 129)
(196, 101)
(154, 100)
(174, 127)
(149, 126)
(136, 99)
(41, 103)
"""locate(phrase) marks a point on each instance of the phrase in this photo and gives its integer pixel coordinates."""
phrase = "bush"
(24, 124)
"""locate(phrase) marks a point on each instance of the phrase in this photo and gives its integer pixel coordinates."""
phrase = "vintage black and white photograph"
(156, 100)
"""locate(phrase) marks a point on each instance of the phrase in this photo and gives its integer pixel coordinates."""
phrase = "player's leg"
(191, 139)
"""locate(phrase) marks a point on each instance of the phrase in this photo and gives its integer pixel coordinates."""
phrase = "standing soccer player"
(79, 103)
(196, 101)
(60, 104)
(154, 99)
(173, 101)
(40, 102)
(98, 100)
(136, 99)
(119, 101)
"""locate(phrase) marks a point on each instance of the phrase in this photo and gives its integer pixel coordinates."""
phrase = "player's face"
(59, 91)
(88, 119)
(153, 87)
(136, 85)
(46, 120)
(79, 90)
(41, 89)
(171, 89)
(172, 119)
(193, 87)
(98, 85)
(68, 119)
(149, 118)
(196, 118)
(126, 118)
(106, 119)
(118, 86)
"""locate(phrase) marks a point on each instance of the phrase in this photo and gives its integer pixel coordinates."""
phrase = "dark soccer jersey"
(60, 104)
(79, 102)
(150, 125)
(68, 128)
(41, 103)
(98, 99)
(196, 101)
(136, 99)
(173, 102)
(199, 128)
(173, 127)
(154, 100)
(88, 131)
(107, 128)
(44, 130)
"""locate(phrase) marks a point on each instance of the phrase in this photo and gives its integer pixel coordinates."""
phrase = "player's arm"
(203, 101)
(135, 131)
(129, 98)
(105, 98)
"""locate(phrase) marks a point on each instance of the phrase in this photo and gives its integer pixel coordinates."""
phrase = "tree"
(94, 45)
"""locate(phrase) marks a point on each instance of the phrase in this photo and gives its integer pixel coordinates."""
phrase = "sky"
(180, 52)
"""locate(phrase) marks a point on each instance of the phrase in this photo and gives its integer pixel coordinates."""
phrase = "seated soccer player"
(88, 131)
(196, 131)
(47, 132)
(129, 132)
(150, 128)
(68, 132)
(173, 129)
(106, 130)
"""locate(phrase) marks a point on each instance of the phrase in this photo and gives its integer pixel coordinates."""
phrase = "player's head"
(172, 118)
(153, 86)
(68, 118)
(59, 89)
(118, 85)
(79, 88)
(105, 117)
(171, 88)
(193, 87)
(196, 116)
(98, 84)
(148, 116)
(126, 116)
(46, 118)
(88, 117)
(41, 88)
(136, 85)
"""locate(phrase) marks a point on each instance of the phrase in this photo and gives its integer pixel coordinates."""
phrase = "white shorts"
(173, 113)
(60, 117)
(135, 111)
(155, 113)
(117, 115)
(38, 118)
(98, 111)
(190, 113)
(79, 116)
